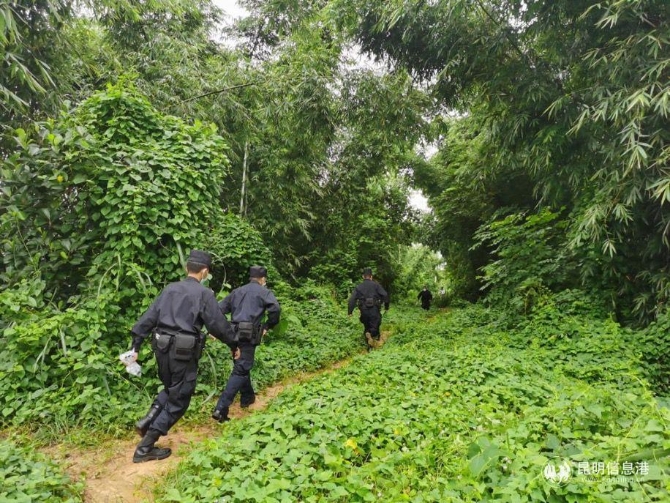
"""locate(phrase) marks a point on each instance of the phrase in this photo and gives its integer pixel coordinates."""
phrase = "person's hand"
(349, 315)
(211, 337)
(129, 357)
(236, 353)
(265, 331)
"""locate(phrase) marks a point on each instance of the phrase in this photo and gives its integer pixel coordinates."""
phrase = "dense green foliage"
(59, 369)
(310, 168)
(530, 258)
(474, 412)
(234, 245)
(417, 266)
(25, 49)
(466, 195)
(654, 342)
(106, 195)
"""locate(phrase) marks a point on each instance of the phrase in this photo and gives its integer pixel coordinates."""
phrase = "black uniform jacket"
(425, 296)
(184, 306)
(249, 302)
(368, 289)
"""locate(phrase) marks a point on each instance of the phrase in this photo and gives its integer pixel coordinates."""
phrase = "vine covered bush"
(26, 476)
(111, 193)
(235, 245)
(654, 346)
(531, 258)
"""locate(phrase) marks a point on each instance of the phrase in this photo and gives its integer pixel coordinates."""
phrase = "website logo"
(557, 474)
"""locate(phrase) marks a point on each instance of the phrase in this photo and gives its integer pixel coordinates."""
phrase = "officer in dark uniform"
(369, 297)
(425, 297)
(246, 304)
(175, 320)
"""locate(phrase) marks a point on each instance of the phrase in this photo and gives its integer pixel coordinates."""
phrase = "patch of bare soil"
(108, 471)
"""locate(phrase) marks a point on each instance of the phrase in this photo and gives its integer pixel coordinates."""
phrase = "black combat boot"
(368, 338)
(146, 451)
(220, 415)
(142, 426)
(244, 403)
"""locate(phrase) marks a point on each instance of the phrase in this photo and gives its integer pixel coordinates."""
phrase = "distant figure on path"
(425, 297)
(369, 297)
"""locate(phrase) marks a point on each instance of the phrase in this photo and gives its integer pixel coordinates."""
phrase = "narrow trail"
(109, 474)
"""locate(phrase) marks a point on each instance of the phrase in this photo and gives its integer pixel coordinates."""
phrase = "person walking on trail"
(369, 297)
(246, 305)
(175, 320)
(425, 297)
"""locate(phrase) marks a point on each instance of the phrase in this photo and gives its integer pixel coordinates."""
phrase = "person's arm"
(272, 309)
(352, 301)
(143, 327)
(226, 304)
(215, 321)
(419, 296)
(384, 296)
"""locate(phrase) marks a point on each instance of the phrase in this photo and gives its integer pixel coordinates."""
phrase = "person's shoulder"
(251, 286)
(269, 293)
(183, 287)
(260, 290)
(195, 287)
(240, 290)
(234, 292)
(176, 285)
(206, 292)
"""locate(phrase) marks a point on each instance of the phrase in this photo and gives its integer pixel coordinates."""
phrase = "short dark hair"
(194, 267)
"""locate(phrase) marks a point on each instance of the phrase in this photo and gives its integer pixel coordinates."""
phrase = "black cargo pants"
(178, 378)
(371, 318)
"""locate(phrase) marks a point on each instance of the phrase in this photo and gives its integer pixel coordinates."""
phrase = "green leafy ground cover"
(26, 477)
(468, 407)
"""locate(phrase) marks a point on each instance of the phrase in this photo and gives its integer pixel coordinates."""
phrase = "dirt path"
(110, 475)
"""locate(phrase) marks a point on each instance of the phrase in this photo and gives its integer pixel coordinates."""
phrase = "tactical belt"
(181, 346)
(369, 302)
(247, 332)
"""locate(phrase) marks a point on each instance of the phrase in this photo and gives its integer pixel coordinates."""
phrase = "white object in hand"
(128, 359)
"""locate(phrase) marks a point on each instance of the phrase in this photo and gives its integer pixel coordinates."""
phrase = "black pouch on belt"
(184, 347)
(161, 342)
(245, 331)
